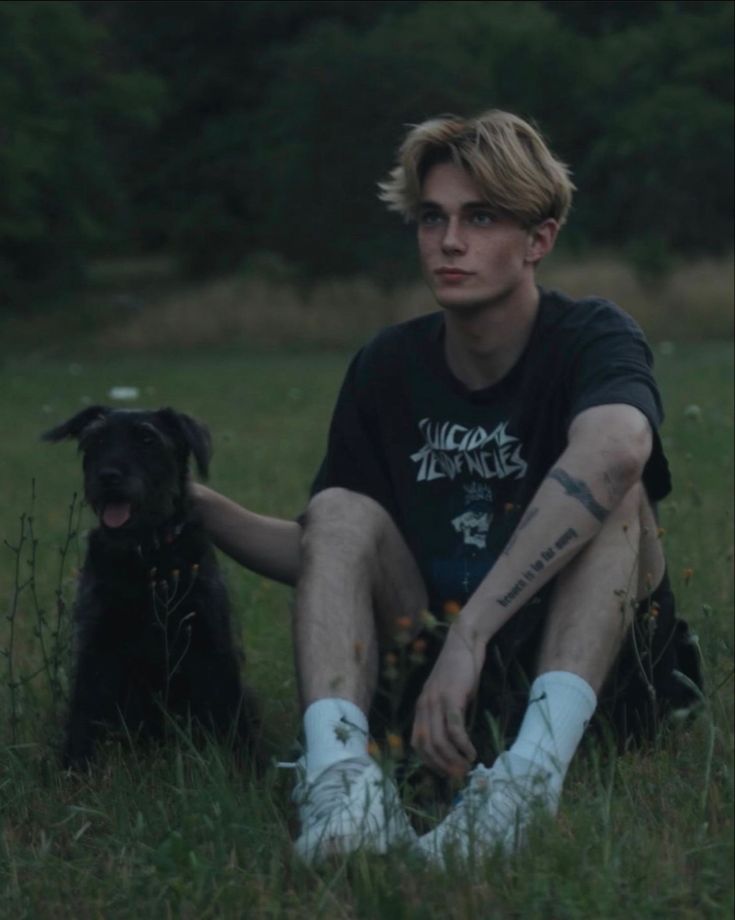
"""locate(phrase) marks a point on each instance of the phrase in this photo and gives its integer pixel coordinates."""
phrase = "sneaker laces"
(317, 796)
(349, 805)
(493, 809)
(473, 799)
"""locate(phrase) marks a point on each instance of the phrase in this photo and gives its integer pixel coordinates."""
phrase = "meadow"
(180, 832)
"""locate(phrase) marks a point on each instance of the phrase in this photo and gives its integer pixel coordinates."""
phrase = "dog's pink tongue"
(116, 514)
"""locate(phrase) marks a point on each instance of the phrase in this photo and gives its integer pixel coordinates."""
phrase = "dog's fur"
(153, 638)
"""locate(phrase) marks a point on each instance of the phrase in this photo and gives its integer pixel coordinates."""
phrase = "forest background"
(247, 137)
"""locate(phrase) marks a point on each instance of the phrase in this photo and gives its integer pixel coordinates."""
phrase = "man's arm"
(607, 450)
(269, 546)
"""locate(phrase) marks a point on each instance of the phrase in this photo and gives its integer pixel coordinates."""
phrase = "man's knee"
(343, 520)
(336, 505)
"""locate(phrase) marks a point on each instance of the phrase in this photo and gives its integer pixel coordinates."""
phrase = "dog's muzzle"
(112, 506)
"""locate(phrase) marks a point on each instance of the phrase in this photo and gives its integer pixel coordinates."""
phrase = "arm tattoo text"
(537, 566)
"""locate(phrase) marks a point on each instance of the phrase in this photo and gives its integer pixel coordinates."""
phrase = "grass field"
(181, 834)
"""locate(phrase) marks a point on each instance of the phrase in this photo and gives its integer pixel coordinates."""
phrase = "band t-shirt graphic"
(451, 447)
(456, 468)
(453, 451)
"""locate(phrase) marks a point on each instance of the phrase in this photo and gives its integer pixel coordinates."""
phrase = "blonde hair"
(507, 158)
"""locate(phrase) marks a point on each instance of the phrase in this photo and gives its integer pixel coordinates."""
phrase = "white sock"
(334, 730)
(560, 705)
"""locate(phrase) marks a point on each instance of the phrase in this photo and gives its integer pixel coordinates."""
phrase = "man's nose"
(453, 239)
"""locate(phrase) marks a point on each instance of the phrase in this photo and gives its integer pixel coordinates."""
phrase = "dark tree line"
(222, 130)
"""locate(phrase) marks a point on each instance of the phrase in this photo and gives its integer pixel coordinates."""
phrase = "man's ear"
(541, 239)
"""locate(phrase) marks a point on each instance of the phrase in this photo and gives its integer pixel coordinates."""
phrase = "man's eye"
(430, 218)
(482, 218)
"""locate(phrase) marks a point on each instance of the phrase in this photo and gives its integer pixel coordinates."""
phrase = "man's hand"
(439, 733)
(267, 545)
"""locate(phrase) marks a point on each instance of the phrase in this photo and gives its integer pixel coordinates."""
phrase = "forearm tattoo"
(529, 574)
(578, 488)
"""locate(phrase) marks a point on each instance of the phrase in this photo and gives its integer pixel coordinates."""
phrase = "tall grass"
(180, 832)
(694, 302)
(142, 305)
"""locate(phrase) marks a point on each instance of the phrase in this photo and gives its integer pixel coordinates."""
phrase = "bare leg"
(591, 607)
(357, 579)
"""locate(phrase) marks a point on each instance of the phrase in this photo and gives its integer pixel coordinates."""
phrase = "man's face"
(470, 257)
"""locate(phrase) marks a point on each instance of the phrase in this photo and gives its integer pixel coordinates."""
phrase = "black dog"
(152, 628)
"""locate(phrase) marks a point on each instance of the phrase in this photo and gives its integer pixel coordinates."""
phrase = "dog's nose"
(110, 477)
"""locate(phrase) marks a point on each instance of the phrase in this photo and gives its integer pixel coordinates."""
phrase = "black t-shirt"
(456, 468)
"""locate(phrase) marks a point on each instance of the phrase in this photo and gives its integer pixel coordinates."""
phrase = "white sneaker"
(348, 806)
(493, 812)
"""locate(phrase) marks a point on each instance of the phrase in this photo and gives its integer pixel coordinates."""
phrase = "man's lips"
(452, 274)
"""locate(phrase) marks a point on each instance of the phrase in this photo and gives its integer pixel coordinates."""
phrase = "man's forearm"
(565, 514)
(552, 531)
(267, 545)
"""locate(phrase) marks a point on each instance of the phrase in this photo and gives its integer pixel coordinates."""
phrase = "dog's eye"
(146, 436)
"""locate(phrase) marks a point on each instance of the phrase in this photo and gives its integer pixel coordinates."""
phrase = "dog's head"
(135, 462)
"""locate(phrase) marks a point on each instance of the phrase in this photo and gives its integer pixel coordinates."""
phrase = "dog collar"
(173, 533)
(167, 537)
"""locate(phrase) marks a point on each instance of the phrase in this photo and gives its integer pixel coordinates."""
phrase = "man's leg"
(590, 612)
(593, 601)
(358, 578)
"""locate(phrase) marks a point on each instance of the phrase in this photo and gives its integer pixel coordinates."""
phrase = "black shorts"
(643, 686)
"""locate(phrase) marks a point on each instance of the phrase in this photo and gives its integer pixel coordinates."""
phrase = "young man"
(489, 487)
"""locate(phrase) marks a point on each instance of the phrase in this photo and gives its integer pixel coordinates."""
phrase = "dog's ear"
(192, 434)
(73, 427)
